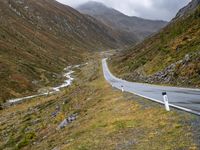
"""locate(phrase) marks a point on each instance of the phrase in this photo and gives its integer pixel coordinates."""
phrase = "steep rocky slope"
(187, 9)
(170, 57)
(133, 29)
(38, 38)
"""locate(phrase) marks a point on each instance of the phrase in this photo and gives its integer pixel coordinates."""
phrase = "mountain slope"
(188, 9)
(38, 38)
(170, 57)
(134, 28)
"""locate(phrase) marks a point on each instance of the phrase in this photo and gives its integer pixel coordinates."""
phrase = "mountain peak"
(133, 28)
(94, 3)
(96, 8)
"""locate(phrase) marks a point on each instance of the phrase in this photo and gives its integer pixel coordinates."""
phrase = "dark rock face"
(133, 29)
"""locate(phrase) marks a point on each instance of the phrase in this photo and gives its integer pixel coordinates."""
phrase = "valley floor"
(105, 119)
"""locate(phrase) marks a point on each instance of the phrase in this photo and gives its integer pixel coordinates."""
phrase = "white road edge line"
(152, 99)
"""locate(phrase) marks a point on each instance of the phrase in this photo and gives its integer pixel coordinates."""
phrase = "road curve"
(186, 99)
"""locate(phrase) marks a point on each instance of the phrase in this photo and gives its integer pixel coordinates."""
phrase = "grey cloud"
(150, 9)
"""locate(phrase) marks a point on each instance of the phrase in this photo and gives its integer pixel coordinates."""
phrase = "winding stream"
(66, 83)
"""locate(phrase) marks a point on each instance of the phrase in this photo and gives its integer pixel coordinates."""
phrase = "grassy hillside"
(38, 38)
(106, 119)
(170, 57)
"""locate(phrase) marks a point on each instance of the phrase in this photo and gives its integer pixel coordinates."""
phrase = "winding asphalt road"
(181, 98)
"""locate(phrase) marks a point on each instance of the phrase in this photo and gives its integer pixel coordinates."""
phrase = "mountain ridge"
(137, 28)
(187, 9)
(38, 38)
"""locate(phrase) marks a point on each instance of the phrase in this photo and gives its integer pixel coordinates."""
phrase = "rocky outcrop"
(178, 73)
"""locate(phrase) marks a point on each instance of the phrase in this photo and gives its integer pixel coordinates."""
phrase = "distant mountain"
(172, 56)
(136, 29)
(38, 38)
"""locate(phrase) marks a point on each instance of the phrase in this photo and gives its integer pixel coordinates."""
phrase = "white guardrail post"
(122, 88)
(166, 101)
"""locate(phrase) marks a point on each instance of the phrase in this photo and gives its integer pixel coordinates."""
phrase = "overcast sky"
(150, 9)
